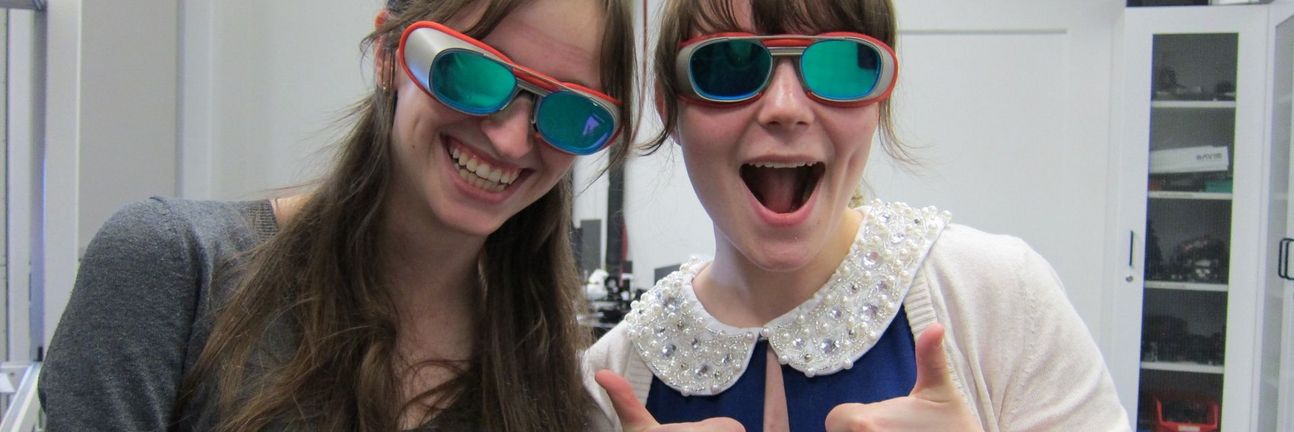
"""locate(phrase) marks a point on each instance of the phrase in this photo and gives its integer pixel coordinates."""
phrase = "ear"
(383, 59)
(384, 65)
(659, 98)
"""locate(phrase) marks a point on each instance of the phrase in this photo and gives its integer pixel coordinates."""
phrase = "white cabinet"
(1190, 302)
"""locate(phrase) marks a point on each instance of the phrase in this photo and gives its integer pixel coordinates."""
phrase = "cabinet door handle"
(1282, 258)
(1132, 240)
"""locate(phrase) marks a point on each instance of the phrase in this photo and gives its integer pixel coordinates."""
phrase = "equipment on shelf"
(609, 298)
(1190, 160)
(1156, 269)
(1216, 182)
(1201, 259)
(1181, 411)
(1165, 338)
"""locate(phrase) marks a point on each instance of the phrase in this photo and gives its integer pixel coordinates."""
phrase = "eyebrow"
(571, 81)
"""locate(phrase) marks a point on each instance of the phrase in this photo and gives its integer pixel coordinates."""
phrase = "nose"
(785, 103)
(509, 130)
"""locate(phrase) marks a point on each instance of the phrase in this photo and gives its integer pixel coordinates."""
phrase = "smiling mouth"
(482, 174)
(782, 188)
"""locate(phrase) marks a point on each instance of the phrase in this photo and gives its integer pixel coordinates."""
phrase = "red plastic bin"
(1185, 412)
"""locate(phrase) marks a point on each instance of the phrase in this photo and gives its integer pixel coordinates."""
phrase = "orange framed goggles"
(838, 68)
(473, 78)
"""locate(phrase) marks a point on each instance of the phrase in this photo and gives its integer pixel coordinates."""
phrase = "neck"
(739, 293)
(431, 272)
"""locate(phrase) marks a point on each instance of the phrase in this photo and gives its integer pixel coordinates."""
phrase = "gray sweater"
(141, 312)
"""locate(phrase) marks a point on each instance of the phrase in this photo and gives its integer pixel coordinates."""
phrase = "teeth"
(485, 171)
(781, 164)
(481, 174)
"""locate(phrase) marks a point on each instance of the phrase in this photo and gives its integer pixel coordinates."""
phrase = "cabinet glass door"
(1188, 230)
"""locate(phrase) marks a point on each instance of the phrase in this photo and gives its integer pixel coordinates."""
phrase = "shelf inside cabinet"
(1182, 367)
(1164, 383)
(1187, 239)
(1193, 104)
(1186, 286)
(1190, 195)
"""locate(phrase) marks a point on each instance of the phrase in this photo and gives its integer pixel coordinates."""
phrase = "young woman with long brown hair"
(427, 282)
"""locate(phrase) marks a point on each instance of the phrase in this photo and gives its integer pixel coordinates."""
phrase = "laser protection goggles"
(475, 79)
(839, 68)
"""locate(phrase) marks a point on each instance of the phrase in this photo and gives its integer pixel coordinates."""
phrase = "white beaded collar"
(696, 354)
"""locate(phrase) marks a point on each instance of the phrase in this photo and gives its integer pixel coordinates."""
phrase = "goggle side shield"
(473, 78)
(840, 68)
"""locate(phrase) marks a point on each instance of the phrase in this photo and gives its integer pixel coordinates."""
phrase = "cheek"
(711, 132)
(556, 162)
(703, 154)
(409, 109)
(418, 117)
(855, 134)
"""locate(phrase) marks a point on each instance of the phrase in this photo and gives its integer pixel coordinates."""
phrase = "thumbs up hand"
(934, 404)
(635, 418)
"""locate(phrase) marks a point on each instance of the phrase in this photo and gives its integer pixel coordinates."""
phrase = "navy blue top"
(886, 371)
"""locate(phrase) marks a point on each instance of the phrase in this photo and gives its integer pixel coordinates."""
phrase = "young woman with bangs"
(818, 312)
(426, 283)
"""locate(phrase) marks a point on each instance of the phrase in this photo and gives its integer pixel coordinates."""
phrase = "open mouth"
(782, 187)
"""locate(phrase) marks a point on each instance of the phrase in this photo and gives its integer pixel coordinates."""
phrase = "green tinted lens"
(840, 70)
(471, 83)
(730, 70)
(573, 123)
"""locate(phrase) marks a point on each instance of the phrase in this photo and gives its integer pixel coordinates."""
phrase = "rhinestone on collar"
(694, 353)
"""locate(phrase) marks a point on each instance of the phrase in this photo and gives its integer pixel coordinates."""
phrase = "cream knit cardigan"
(1019, 353)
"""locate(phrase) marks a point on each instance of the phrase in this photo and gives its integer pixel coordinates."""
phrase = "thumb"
(633, 414)
(934, 376)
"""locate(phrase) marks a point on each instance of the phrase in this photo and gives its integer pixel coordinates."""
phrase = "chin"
(779, 257)
(473, 224)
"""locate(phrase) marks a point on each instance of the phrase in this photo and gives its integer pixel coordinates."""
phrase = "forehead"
(561, 38)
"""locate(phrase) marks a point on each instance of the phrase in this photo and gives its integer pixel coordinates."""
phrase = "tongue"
(776, 188)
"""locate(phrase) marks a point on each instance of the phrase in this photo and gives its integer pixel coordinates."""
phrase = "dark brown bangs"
(869, 17)
(711, 17)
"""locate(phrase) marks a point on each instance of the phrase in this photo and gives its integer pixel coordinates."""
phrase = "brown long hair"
(308, 337)
(682, 18)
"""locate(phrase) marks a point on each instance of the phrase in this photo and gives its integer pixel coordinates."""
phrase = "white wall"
(25, 80)
(4, 165)
(57, 248)
(265, 82)
(110, 125)
(1009, 102)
